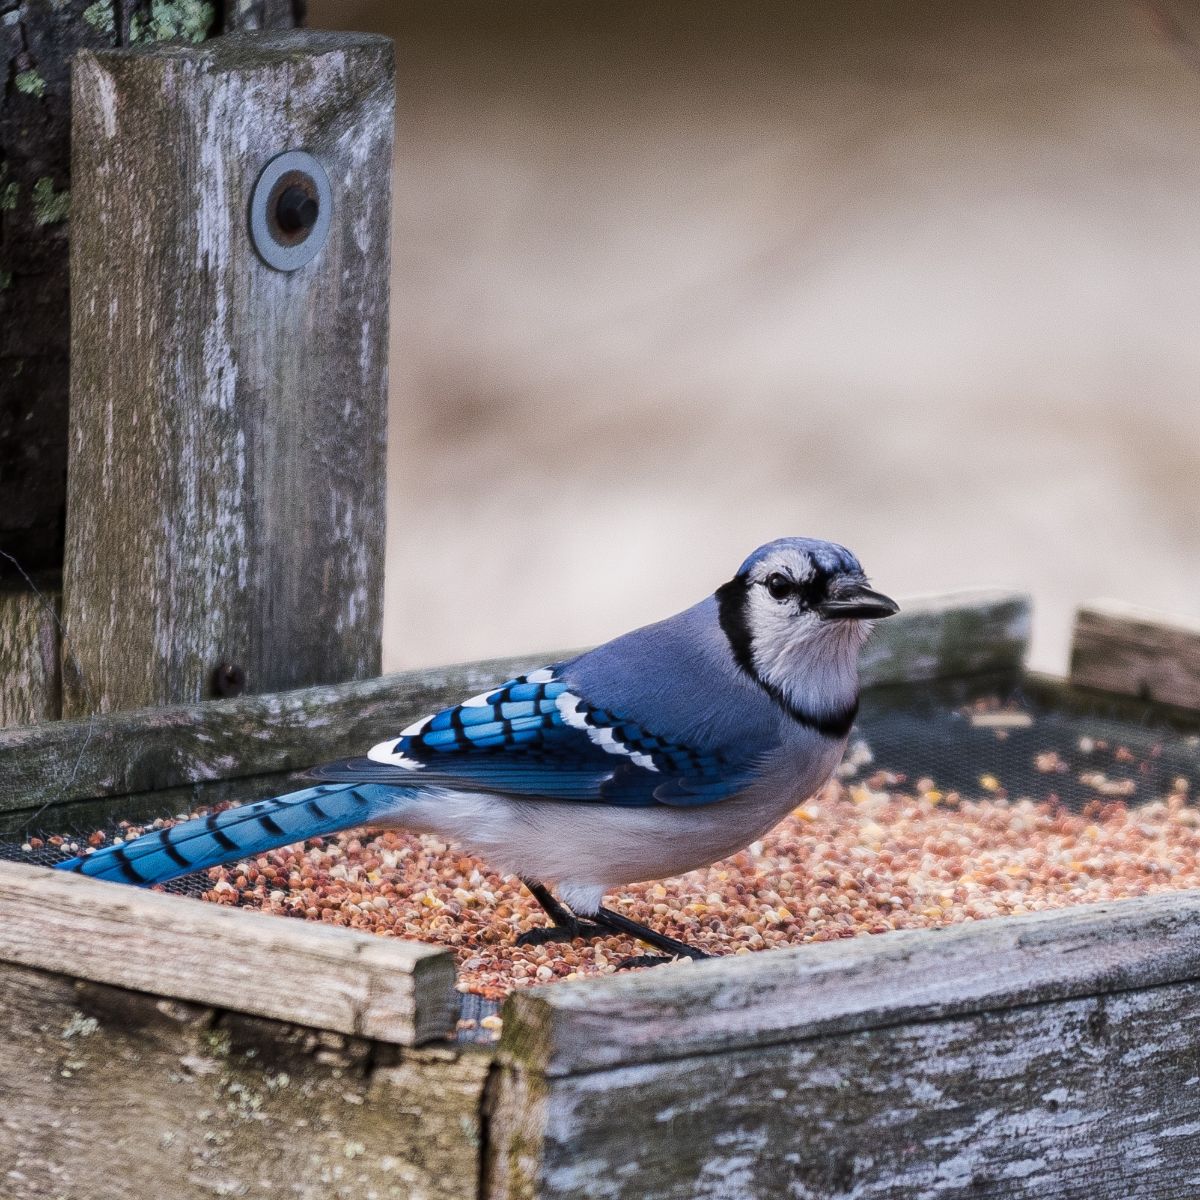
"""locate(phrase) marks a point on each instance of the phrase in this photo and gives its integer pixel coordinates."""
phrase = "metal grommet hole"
(290, 211)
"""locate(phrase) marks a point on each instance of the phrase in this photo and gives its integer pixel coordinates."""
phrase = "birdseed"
(863, 856)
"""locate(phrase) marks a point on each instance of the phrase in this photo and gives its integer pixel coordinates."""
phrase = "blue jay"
(661, 751)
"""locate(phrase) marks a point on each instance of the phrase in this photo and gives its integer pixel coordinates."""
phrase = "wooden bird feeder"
(168, 1044)
(223, 536)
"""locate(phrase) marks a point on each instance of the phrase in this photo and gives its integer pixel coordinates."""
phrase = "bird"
(661, 751)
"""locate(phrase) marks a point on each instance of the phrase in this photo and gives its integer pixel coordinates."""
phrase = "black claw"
(670, 946)
(567, 926)
(561, 933)
(542, 935)
(643, 960)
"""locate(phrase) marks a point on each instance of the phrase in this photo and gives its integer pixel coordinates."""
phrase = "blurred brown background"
(673, 279)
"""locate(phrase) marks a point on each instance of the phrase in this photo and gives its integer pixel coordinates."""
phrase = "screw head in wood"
(229, 680)
(296, 210)
(291, 210)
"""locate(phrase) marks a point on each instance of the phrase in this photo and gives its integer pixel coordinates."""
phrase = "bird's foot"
(658, 960)
(566, 932)
(643, 960)
(567, 927)
(670, 947)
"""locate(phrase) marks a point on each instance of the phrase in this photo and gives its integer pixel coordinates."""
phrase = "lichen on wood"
(188, 20)
(31, 83)
(50, 206)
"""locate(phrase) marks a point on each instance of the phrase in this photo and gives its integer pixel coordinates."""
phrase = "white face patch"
(810, 661)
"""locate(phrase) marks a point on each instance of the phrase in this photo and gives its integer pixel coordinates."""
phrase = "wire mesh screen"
(1012, 746)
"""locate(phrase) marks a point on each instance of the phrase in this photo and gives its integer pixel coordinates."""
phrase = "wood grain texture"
(38, 39)
(1135, 651)
(112, 1095)
(154, 749)
(126, 752)
(1093, 1098)
(29, 674)
(759, 1000)
(968, 632)
(297, 971)
(228, 420)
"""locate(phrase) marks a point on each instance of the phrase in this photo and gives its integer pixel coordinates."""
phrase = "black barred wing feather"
(533, 737)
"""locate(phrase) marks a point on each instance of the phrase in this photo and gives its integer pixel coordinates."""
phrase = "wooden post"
(228, 418)
(29, 676)
(37, 42)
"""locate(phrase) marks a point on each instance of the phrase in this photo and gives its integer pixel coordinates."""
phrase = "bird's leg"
(567, 926)
(660, 941)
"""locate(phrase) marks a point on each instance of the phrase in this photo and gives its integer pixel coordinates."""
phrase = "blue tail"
(237, 833)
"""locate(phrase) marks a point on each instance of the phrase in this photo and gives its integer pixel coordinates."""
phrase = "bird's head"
(796, 614)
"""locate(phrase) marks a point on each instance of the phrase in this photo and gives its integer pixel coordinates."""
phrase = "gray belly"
(594, 847)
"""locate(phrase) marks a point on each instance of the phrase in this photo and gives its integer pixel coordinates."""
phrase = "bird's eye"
(778, 586)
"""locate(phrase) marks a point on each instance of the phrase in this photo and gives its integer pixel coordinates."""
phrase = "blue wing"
(534, 737)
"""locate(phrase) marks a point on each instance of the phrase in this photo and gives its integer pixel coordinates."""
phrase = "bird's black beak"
(857, 603)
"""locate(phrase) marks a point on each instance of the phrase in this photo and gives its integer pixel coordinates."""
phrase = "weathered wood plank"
(226, 489)
(951, 634)
(1059, 693)
(1095, 1098)
(153, 749)
(297, 971)
(760, 1000)
(113, 1094)
(1118, 647)
(30, 689)
(120, 753)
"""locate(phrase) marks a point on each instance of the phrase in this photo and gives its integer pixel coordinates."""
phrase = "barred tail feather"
(237, 833)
